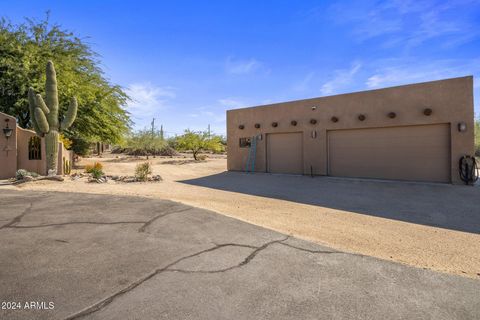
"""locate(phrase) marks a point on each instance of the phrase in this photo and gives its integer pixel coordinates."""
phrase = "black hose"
(468, 169)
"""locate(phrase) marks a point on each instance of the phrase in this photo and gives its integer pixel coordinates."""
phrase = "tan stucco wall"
(451, 101)
(8, 160)
(38, 166)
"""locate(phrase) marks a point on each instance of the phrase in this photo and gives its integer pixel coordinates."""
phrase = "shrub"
(95, 166)
(96, 173)
(22, 173)
(96, 170)
(202, 157)
(142, 170)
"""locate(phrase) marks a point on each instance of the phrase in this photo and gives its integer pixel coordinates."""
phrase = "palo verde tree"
(45, 116)
(198, 141)
(26, 48)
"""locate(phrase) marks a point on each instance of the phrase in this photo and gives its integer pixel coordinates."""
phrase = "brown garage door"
(284, 153)
(417, 153)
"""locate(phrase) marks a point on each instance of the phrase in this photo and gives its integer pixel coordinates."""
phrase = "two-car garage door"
(418, 153)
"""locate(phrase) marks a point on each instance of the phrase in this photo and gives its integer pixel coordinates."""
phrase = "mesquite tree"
(44, 117)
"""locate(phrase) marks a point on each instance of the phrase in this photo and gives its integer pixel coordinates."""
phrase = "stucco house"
(415, 132)
(24, 149)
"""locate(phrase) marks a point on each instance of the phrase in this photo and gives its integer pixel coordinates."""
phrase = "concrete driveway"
(112, 257)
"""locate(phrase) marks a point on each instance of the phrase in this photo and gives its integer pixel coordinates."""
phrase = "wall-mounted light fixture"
(293, 123)
(361, 117)
(241, 127)
(392, 115)
(313, 121)
(462, 127)
(257, 125)
(274, 124)
(334, 119)
(314, 108)
(7, 131)
(314, 134)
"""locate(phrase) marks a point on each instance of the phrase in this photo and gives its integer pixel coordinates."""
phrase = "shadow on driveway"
(439, 205)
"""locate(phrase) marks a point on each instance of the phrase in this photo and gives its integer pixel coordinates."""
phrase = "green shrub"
(142, 170)
(22, 173)
(95, 166)
(96, 173)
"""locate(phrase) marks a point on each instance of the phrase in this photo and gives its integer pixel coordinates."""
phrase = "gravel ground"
(432, 226)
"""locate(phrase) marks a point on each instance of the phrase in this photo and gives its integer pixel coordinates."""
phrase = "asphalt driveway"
(111, 257)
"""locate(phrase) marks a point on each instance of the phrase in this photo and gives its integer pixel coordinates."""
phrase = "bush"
(202, 157)
(80, 146)
(95, 166)
(22, 173)
(142, 170)
(96, 170)
(96, 173)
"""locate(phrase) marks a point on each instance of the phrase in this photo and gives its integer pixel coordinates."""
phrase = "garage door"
(417, 153)
(284, 153)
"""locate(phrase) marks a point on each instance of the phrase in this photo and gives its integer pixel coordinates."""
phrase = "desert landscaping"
(239, 160)
(274, 202)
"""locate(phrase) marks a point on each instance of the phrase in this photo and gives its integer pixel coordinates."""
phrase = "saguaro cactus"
(44, 116)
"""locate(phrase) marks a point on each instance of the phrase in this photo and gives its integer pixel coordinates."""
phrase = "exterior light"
(257, 125)
(274, 124)
(392, 115)
(334, 119)
(314, 108)
(462, 126)
(7, 131)
(361, 117)
(241, 127)
(427, 111)
(293, 123)
(313, 121)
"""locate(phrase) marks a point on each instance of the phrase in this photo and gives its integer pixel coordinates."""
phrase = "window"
(34, 148)
(245, 142)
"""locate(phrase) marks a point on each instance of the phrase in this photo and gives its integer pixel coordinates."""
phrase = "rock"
(157, 178)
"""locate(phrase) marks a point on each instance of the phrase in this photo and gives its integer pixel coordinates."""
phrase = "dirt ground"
(431, 226)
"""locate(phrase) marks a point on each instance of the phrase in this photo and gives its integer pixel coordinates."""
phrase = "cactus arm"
(51, 95)
(31, 108)
(71, 114)
(41, 104)
(41, 121)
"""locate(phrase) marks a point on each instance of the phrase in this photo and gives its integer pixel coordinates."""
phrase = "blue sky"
(186, 62)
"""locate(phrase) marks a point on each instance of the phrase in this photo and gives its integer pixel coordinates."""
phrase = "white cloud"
(304, 84)
(392, 72)
(342, 79)
(231, 103)
(248, 66)
(147, 100)
(410, 23)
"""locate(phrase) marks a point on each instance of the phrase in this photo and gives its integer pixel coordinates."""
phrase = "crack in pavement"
(13, 224)
(149, 222)
(18, 218)
(103, 303)
(75, 222)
